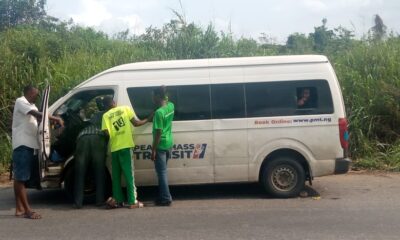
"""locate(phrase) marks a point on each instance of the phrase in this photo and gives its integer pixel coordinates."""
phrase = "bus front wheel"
(283, 177)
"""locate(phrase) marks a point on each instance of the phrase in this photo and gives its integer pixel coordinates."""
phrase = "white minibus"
(276, 120)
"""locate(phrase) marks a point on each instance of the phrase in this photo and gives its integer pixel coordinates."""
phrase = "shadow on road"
(214, 191)
(57, 198)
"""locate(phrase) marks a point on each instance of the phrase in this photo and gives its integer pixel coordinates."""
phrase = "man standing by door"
(25, 145)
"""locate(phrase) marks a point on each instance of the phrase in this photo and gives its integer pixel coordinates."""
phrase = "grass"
(386, 158)
(64, 56)
(5, 149)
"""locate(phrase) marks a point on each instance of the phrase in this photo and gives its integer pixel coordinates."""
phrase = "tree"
(379, 29)
(247, 47)
(299, 43)
(321, 36)
(343, 40)
(16, 12)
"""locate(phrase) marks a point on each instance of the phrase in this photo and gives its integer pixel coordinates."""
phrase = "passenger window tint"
(285, 98)
(288, 98)
(227, 101)
(270, 99)
(191, 102)
(141, 101)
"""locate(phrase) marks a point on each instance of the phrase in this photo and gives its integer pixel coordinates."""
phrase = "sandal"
(137, 205)
(112, 204)
(18, 215)
(32, 215)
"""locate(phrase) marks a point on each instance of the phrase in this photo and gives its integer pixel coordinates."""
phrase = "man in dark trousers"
(91, 146)
(162, 143)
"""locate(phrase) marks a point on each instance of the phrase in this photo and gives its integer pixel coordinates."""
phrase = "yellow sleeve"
(131, 113)
(104, 123)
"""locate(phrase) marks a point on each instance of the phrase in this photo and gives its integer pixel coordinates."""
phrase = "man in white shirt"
(25, 143)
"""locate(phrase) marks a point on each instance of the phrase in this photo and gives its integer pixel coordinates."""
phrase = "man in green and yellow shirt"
(117, 124)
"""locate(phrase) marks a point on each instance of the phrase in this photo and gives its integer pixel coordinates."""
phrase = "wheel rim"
(284, 178)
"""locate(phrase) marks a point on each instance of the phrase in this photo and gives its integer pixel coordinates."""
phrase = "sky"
(247, 18)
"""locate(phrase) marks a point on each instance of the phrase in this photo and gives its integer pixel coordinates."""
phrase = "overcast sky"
(248, 18)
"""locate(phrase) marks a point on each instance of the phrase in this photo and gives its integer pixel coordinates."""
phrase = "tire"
(89, 193)
(283, 177)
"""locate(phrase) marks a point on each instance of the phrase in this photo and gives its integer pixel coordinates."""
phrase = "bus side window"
(192, 103)
(227, 101)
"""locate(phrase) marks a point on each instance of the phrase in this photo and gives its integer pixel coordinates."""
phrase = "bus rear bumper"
(342, 165)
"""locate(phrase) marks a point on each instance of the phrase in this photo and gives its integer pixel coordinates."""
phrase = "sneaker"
(137, 205)
(163, 203)
(76, 206)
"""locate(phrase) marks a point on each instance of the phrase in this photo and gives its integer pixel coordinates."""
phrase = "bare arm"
(137, 122)
(156, 141)
(39, 115)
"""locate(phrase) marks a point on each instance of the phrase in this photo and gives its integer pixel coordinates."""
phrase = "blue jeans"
(160, 163)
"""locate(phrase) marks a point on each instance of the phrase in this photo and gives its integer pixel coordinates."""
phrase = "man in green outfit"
(116, 123)
(162, 142)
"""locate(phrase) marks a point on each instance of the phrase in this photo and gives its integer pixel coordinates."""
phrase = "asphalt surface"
(353, 206)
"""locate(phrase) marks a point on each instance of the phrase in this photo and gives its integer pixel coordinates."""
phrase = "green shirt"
(163, 120)
(117, 121)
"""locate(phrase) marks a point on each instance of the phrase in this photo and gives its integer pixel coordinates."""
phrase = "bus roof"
(220, 62)
(212, 62)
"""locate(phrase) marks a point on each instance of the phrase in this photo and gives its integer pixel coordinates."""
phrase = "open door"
(44, 134)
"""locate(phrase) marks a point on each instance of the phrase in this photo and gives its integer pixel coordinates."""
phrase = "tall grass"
(370, 78)
(65, 55)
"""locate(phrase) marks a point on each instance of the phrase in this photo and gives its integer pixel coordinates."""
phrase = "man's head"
(160, 95)
(108, 103)
(306, 93)
(31, 93)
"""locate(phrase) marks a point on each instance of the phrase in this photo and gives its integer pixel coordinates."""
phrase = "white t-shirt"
(24, 125)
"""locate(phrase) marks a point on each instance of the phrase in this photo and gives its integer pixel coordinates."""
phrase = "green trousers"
(122, 163)
(90, 151)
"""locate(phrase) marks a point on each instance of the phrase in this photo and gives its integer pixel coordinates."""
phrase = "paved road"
(353, 206)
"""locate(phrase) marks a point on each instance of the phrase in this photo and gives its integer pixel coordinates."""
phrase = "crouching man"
(91, 150)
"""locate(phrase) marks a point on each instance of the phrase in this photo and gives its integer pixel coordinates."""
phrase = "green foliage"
(299, 43)
(16, 12)
(386, 158)
(64, 55)
(378, 31)
(370, 78)
(321, 37)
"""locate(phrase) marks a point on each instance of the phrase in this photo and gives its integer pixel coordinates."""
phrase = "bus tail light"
(344, 135)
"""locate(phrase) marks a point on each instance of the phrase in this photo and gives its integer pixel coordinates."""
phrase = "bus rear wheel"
(283, 177)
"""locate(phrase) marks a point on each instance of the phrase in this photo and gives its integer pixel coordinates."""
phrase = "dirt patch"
(5, 180)
(373, 172)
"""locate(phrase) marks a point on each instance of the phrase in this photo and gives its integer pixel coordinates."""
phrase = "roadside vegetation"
(36, 48)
